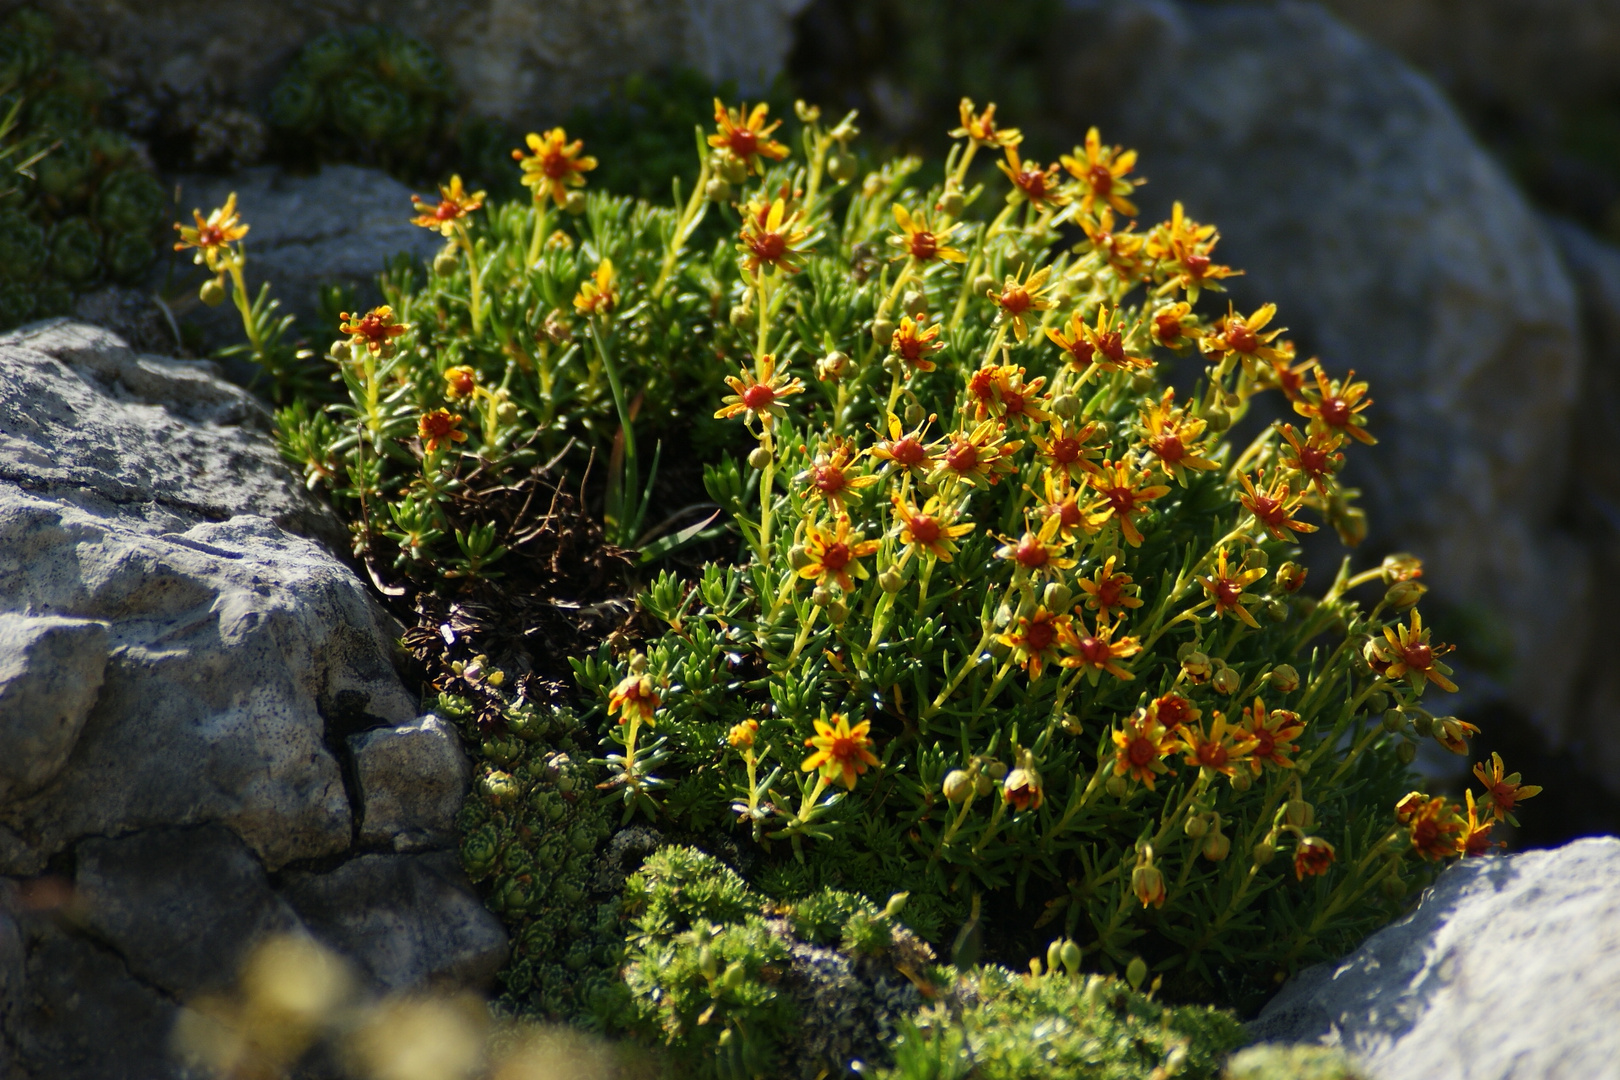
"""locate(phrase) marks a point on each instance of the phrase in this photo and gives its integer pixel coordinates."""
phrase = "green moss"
(1268, 1062)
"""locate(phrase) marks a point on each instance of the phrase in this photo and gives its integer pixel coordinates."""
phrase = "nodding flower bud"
(638, 663)
(1057, 597)
(831, 368)
(1403, 594)
(730, 166)
(1147, 883)
(1136, 973)
(896, 904)
(1217, 418)
(842, 166)
(1265, 851)
(1423, 724)
(1299, 813)
(212, 292)
(1217, 845)
(1401, 566)
(1377, 701)
(574, 203)
(739, 315)
(837, 612)
(1195, 826)
(914, 413)
(996, 770)
(1227, 681)
(821, 596)
(951, 203)
(446, 261)
(758, 458)
(1054, 956)
(798, 558)
(1290, 577)
(983, 284)
(1406, 752)
(1115, 786)
(1394, 720)
(717, 190)
(959, 785)
(1392, 887)
(1284, 679)
(1196, 665)
(914, 303)
(883, 331)
(890, 581)
(1241, 781)
(1066, 406)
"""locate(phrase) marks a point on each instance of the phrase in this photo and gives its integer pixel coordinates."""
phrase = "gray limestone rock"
(1508, 969)
(1351, 193)
(182, 906)
(413, 779)
(50, 672)
(407, 919)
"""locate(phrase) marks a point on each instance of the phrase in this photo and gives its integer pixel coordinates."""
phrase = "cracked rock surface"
(187, 677)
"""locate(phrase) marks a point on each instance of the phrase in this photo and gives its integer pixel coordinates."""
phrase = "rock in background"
(203, 738)
(1508, 969)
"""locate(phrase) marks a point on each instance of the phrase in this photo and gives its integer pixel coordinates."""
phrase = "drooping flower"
(211, 235)
(1502, 792)
(834, 555)
(1022, 787)
(842, 753)
(635, 697)
(914, 345)
(759, 398)
(1107, 592)
(439, 427)
(1146, 880)
(376, 330)
(982, 128)
(553, 165)
(770, 237)
(1337, 406)
(1271, 734)
(1288, 376)
(1101, 171)
(1125, 498)
(1035, 640)
(1222, 749)
(454, 204)
(1273, 507)
(1020, 298)
(1453, 734)
(1095, 652)
(923, 241)
(597, 294)
(1313, 856)
(1141, 746)
(1414, 658)
(929, 530)
(1225, 587)
(746, 135)
(1172, 437)
(1039, 186)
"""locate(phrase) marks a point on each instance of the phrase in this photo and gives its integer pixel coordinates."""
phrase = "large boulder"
(1508, 969)
(1351, 193)
(203, 738)
(524, 61)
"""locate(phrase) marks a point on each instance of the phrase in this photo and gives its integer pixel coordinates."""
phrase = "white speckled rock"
(50, 673)
(1508, 969)
(413, 779)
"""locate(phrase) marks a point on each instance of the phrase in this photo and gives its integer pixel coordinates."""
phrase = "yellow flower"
(1316, 458)
(842, 753)
(1035, 641)
(831, 476)
(1175, 327)
(376, 330)
(1062, 504)
(770, 238)
(1337, 406)
(1225, 586)
(982, 128)
(459, 382)
(1141, 746)
(1038, 185)
(913, 344)
(1124, 498)
(553, 165)
(1222, 749)
(1244, 337)
(1274, 506)
(980, 457)
(834, 555)
(1107, 592)
(454, 204)
(1182, 248)
(1037, 552)
(741, 736)
(923, 241)
(1271, 734)
(1146, 881)
(1102, 345)
(1414, 658)
(1067, 450)
(597, 294)
(1173, 436)
(928, 530)
(761, 398)
(1312, 857)
(746, 135)
(904, 451)
(1101, 171)
(1019, 299)
(1022, 788)
(634, 698)
(1120, 250)
(1098, 652)
(212, 234)
(439, 427)
(1503, 793)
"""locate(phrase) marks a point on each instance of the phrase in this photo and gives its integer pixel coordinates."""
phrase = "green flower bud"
(1069, 955)
(883, 331)
(1241, 781)
(575, 203)
(1404, 594)
(731, 167)
(996, 770)
(831, 368)
(1290, 577)
(740, 315)
(1299, 813)
(842, 166)
(758, 458)
(1275, 610)
(1392, 887)
(1284, 678)
(959, 785)
(1264, 851)
(212, 292)
(890, 581)
(1066, 406)
(821, 596)
(1227, 681)
(1405, 752)
(717, 190)
(1217, 846)
(914, 414)
(447, 260)
(984, 284)
(798, 558)
(982, 785)
(837, 612)
(1195, 826)
(1115, 786)
(1136, 972)
(952, 203)
(1377, 701)
(1217, 418)
(1057, 597)
(1196, 665)
(1423, 724)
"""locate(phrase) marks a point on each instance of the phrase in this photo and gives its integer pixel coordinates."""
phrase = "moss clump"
(1268, 1062)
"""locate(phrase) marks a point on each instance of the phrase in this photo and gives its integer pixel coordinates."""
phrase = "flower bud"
(1066, 406)
(821, 596)
(1392, 887)
(1195, 826)
(717, 190)
(212, 292)
(446, 261)
(1299, 813)
(758, 458)
(1069, 955)
(1241, 781)
(1148, 885)
(1351, 525)
(831, 368)
(1423, 724)
(837, 612)
(1217, 846)
(1284, 678)
(575, 203)
(1377, 701)
(952, 203)
(982, 785)
(1054, 956)
(1403, 594)
(890, 581)
(1217, 418)
(798, 558)
(883, 331)
(1196, 665)
(1265, 851)
(1136, 972)
(914, 303)
(730, 166)
(1290, 577)
(983, 284)
(958, 786)
(708, 963)
(842, 166)
(1227, 681)
(996, 770)
(739, 315)
(1057, 597)
(1406, 752)
(914, 414)
(1401, 566)
(1275, 610)
(1115, 786)
(1143, 381)
(1394, 720)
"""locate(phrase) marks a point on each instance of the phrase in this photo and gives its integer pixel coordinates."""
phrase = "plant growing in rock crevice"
(1011, 626)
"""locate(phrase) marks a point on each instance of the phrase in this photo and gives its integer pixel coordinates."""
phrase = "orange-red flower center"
(1142, 750)
(1240, 338)
(1174, 710)
(1212, 754)
(1039, 635)
(923, 245)
(758, 397)
(1065, 450)
(836, 557)
(1094, 651)
(1102, 180)
(768, 247)
(924, 529)
(844, 748)
(1031, 552)
(743, 142)
(1068, 512)
(828, 479)
(962, 456)
(1227, 592)
(1418, 656)
(1111, 345)
(1335, 411)
(1168, 447)
(908, 451)
(1015, 300)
